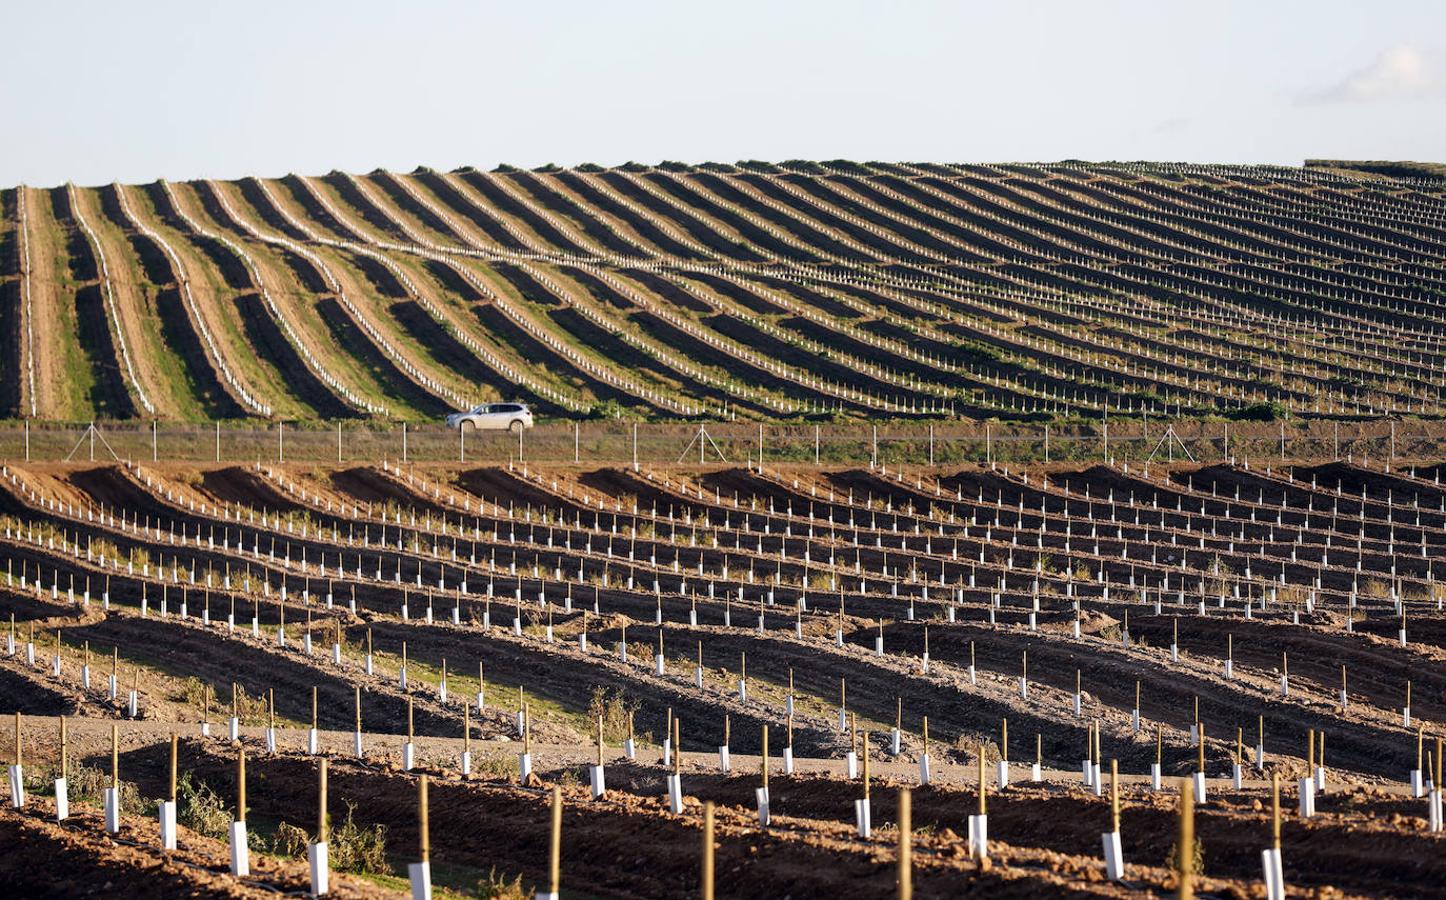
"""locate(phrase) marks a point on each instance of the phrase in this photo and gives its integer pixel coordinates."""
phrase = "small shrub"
(200, 808)
(614, 707)
(290, 841)
(499, 766)
(356, 849)
(495, 886)
(87, 784)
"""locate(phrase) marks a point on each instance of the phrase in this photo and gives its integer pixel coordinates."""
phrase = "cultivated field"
(844, 632)
(794, 291)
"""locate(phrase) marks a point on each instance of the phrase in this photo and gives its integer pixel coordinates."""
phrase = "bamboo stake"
(115, 757)
(175, 746)
(19, 752)
(64, 748)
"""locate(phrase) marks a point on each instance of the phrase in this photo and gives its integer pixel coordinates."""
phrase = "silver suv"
(493, 417)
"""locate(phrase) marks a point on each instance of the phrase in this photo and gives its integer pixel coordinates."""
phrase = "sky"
(102, 91)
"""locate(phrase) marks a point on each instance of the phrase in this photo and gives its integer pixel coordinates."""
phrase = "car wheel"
(515, 427)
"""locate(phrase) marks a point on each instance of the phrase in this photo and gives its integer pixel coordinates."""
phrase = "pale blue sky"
(96, 91)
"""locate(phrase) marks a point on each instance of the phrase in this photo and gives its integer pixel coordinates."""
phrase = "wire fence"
(652, 444)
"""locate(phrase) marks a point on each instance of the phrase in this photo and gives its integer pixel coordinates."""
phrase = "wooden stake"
(866, 764)
(240, 783)
(906, 840)
(1275, 810)
(555, 852)
(708, 850)
(64, 748)
(175, 742)
(1114, 795)
(321, 821)
(422, 818)
(765, 757)
(1185, 845)
(115, 756)
(983, 785)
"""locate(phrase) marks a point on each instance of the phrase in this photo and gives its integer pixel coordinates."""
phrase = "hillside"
(757, 290)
